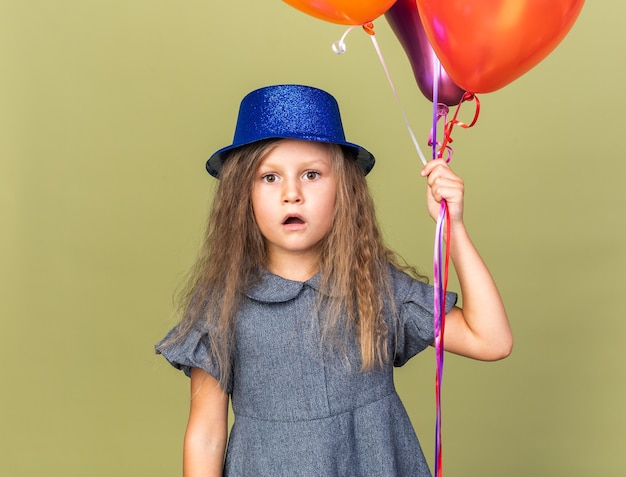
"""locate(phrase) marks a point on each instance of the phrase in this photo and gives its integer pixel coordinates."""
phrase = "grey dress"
(302, 411)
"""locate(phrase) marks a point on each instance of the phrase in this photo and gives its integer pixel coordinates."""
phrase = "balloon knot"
(369, 28)
(467, 96)
(442, 110)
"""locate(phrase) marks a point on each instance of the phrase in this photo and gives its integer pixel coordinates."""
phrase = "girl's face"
(293, 198)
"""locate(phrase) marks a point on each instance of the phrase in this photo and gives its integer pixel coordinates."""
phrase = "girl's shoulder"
(404, 279)
(409, 290)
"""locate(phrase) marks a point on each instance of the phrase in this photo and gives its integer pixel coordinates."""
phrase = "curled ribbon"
(447, 130)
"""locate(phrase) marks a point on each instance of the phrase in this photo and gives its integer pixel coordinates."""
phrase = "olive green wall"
(107, 112)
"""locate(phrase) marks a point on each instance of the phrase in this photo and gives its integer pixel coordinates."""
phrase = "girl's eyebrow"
(312, 164)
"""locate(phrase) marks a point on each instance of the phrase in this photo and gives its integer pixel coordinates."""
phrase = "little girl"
(297, 312)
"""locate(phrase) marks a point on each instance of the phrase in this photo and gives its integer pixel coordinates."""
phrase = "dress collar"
(275, 289)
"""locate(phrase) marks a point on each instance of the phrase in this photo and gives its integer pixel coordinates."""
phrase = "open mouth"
(293, 220)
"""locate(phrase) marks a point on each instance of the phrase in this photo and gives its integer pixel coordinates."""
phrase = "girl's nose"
(292, 192)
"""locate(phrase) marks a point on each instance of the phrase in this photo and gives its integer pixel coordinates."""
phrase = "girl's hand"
(443, 183)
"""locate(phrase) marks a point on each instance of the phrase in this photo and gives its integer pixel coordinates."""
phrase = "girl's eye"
(269, 178)
(311, 175)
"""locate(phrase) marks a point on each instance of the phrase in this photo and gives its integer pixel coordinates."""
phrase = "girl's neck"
(298, 268)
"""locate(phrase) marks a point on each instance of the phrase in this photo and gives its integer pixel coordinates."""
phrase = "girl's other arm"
(207, 428)
(481, 329)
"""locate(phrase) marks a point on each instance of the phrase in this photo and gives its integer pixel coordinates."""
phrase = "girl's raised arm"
(481, 329)
(207, 428)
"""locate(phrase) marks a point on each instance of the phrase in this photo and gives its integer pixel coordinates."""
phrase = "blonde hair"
(353, 261)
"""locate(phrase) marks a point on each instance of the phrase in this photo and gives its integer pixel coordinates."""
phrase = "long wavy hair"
(353, 261)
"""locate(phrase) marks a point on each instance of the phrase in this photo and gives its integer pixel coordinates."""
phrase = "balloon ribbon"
(440, 268)
(339, 47)
(440, 273)
(440, 261)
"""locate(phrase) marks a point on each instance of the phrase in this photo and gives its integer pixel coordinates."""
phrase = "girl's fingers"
(432, 165)
(443, 183)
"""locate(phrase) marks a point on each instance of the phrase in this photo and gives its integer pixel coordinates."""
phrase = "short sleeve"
(190, 350)
(415, 325)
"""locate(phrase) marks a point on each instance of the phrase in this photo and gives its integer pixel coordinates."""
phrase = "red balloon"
(347, 12)
(486, 44)
(404, 19)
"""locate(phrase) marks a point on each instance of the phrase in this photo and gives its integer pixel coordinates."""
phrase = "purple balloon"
(405, 21)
